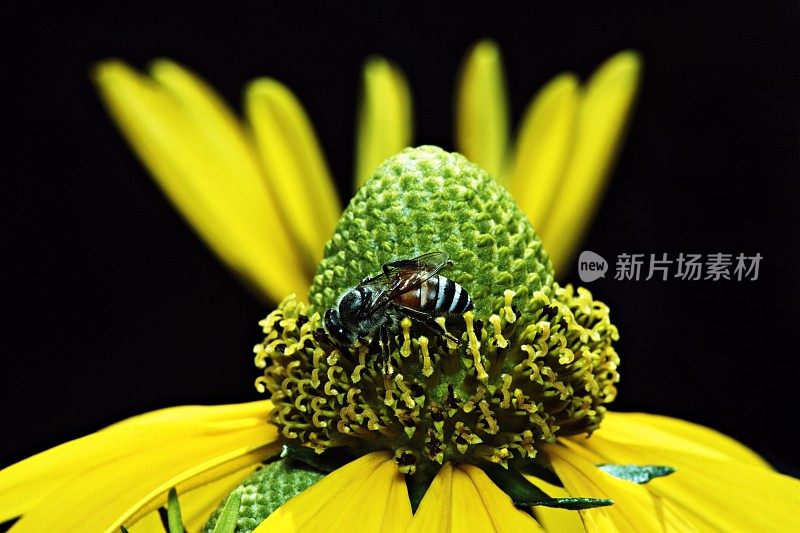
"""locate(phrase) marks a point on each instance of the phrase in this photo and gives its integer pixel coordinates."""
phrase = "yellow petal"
(149, 524)
(482, 109)
(368, 494)
(497, 504)
(726, 496)
(197, 505)
(113, 476)
(206, 165)
(674, 519)
(435, 510)
(465, 500)
(543, 147)
(633, 508)
(22, 484)
(725, 489)
(294, 165)
(602, 115)
(642, 429)
(384, 116)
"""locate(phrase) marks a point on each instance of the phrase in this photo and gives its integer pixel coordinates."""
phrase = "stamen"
(504, 391)
(355, 377)
(427, 368)
(406, 392)
(498, 332)
(405, 349)
(487, 415)
(507, 311)
(474, 346)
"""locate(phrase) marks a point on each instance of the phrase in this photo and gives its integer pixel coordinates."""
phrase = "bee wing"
(407, 274)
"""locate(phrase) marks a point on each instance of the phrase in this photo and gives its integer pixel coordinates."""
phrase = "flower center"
(496, 395)
(531, 361)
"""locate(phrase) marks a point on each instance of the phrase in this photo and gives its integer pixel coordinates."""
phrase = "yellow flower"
(239, 187)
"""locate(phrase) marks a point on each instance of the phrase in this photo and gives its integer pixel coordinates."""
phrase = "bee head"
(345, 321)
(336, 330)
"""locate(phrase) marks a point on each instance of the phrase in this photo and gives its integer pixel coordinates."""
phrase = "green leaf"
(327, 462)
(525, 494)
(174, 512)
(230, 513)
(575, 504)
(637, 473)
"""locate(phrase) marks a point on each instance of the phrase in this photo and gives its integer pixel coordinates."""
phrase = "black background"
(113, 306)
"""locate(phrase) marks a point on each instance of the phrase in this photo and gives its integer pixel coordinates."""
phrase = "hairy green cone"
(425, 199)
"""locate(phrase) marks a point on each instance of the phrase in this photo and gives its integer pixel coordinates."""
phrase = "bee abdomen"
(451, 297)
(437, 295)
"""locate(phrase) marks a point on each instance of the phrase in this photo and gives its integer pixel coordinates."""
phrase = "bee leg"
(430, 324)
(386, 357)
(370, 279)
(439, 329)
(386, 350)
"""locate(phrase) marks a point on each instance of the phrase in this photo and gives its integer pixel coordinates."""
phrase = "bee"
(406, 288)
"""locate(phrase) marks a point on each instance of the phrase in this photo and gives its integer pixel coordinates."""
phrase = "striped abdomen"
(437, 295)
